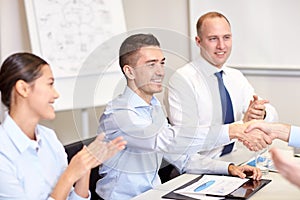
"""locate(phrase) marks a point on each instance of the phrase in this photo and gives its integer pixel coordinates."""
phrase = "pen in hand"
(204, 185)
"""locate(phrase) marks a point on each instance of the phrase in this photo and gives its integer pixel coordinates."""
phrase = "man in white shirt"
(193, 94)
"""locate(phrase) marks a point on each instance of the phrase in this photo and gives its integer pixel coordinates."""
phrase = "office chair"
(71, 150)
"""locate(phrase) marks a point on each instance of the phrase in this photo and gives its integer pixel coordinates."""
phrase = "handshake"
(257, 134)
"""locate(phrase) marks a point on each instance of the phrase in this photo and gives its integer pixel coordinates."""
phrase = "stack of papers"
(212, 187)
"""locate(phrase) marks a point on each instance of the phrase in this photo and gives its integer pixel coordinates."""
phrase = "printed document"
(213, 185)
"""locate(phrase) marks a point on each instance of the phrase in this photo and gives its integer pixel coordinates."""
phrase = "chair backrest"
(71, 150)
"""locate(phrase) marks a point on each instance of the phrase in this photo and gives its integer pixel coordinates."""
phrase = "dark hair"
(131, 45)
(208, 15)
(19, 66)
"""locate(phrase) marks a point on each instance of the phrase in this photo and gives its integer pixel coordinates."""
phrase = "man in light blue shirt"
(137, 116)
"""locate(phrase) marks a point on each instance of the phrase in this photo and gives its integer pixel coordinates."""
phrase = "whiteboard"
(65, 32)
(78, 39)
(265, 33)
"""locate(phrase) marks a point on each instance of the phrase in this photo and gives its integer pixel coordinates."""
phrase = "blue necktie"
(227, 110)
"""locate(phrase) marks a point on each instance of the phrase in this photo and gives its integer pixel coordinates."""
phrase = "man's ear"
(198, 40)
(22, 88)
(128, 71)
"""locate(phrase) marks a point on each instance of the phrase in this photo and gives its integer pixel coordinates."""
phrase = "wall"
(14, 32)
(283, 93)
(141, 14)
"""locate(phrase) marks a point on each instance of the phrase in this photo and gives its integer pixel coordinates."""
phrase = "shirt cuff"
(223, 169)
(294, 139)
(75, 196)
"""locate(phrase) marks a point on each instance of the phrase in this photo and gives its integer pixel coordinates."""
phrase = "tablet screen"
(249, 188)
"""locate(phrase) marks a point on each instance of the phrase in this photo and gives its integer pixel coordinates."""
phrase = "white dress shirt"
(193, 95)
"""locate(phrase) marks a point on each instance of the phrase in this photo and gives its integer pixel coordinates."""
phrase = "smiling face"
(215, 41)
(146, 76)
(42, 95)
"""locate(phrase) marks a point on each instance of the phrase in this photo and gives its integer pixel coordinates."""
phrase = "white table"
(279, 188)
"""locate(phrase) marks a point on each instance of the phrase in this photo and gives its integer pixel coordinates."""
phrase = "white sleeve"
(198, 164)
(271, 114)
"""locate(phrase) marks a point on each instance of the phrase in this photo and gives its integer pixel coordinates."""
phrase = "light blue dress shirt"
(133, 170)
(29, 169)
(294, 139)
(148, 135)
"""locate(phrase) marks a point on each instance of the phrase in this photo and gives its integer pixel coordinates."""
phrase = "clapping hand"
(256, 109)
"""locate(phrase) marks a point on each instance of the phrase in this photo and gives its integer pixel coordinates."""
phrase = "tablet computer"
(243, 192)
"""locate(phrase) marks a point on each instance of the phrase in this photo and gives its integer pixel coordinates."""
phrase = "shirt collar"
(17, 136)
(136, 101)
(206, 68)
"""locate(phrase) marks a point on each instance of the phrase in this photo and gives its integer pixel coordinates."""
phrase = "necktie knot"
(219, 74)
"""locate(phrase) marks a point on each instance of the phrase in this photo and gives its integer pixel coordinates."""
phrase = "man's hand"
(273, 130)
(288, 169)
(244, 171)
(256, 109)
(254, 140)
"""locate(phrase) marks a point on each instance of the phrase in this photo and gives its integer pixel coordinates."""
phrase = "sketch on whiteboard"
(70, 30)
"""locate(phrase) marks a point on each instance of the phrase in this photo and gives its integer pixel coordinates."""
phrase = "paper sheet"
(202, 196)
(213, 185)
(271, 165)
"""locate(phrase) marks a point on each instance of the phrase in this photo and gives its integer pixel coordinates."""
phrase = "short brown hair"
(130, 46)
(208, 15)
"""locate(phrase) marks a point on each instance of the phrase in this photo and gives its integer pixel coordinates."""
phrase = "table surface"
(278, 188)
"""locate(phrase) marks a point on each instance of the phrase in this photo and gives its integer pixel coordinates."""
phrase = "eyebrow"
(213, 35)
(155, 60)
